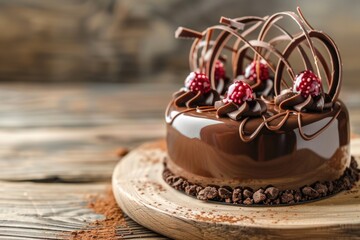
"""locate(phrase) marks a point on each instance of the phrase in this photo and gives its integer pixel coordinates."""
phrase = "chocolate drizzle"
(187, 98)
(290, 100)
(266, 120)
(211, 43)
(254, 108)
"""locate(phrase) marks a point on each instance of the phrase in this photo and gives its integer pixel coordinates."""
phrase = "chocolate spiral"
(187, 98)
(277, 52)
(290, 100)
(253, 108)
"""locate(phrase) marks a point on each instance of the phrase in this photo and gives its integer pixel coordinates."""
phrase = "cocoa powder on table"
(106, 205)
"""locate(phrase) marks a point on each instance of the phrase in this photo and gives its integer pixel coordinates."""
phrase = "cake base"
(142, 194)
(246, 196)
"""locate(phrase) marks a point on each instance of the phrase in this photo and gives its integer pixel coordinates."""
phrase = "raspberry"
(219, 70)
(251, 71)
(198, 82)
(239, 92)
(307, 83)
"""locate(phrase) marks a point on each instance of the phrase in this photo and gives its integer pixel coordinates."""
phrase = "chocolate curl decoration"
(332, 67)
(231, 23)
(253, 108)
(182, 32)
(288, 100)
(187, 98)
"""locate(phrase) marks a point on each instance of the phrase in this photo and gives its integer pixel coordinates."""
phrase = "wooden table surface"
(58, 146)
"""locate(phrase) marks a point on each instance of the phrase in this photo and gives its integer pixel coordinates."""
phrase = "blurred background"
(79, 63)
(133, 41)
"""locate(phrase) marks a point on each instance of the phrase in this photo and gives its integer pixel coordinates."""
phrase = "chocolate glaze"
(206, 149)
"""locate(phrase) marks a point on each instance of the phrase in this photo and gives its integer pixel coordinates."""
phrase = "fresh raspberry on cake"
(219, 70)
(307, 83)
(198, 82)
(239, 92)
(256, 67)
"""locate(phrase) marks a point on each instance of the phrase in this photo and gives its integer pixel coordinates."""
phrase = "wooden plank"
(71, 155)
(54, 211)
(71, 133)
(44, 139)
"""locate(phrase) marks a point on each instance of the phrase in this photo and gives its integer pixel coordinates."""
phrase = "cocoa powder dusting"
(106, 205)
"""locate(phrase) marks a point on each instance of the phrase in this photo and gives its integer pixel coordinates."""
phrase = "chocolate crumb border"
(268, 196)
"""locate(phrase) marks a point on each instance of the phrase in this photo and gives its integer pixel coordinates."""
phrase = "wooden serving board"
(143, 195)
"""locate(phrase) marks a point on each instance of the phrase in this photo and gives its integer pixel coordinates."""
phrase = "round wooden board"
(143, 195)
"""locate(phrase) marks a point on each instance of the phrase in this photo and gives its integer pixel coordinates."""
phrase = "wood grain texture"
(56, 105)
(142, 194)
(59, 133)
(53, 211)
(72, 133)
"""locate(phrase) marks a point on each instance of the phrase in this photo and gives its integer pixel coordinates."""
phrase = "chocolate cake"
(259, 120)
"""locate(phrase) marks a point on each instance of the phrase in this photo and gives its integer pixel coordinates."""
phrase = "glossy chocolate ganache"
(278, 122)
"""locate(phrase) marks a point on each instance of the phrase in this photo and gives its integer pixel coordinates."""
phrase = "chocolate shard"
(346, 183)
(330, 186)
(259, 196)
(191, 190)
(166, 174)
(272, 192)
(321, 189)
(310, 192)
(224, 193)
(198, 189)
(276, 201)
(287, 197)
(170, 179)
(184, 184)
(208, 193)
(177, 183)
(248, 201)
(248, 193)
(298, 196)
(237, 195)
(353, 163)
